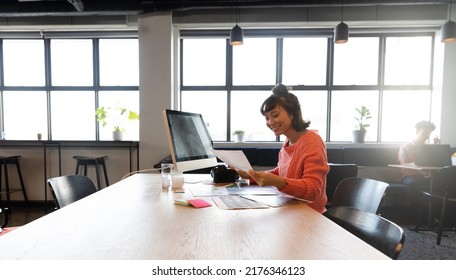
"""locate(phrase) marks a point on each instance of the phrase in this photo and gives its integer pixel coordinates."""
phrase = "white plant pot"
(358, 136)
(239, 137)
(117, 135)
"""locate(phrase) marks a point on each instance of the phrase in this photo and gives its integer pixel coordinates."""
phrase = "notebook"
(432, 155)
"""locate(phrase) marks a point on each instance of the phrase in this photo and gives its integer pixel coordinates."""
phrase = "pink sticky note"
(199, 203)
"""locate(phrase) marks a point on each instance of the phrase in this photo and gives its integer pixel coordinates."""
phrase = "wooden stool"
(96, 161)
(4, 162)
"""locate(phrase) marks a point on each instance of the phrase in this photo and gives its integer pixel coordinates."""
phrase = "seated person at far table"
(302, 165)
(417, 180)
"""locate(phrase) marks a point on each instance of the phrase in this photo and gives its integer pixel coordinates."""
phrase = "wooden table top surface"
(134, 219)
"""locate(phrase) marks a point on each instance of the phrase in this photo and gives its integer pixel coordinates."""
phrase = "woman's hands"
(243, 174)
(268, 179)
(437, 140)
(263, 178)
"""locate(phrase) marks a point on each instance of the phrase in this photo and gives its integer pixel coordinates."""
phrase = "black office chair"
(3, 228)
(442, 191)
(5, 218)
(361, 193)
(380, 233)
(70, 188)
(338, 172)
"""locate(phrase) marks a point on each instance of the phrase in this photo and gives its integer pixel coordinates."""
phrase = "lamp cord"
(139, 171)
(342, 11)
(449, 17)
(238, 15)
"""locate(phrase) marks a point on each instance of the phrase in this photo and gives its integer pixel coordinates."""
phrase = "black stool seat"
(84, 161)
(4, 162)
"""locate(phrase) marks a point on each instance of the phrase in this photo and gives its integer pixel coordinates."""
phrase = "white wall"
(448, 119)
(155, 85)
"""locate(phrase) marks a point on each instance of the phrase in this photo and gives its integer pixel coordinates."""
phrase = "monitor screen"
(189, 141)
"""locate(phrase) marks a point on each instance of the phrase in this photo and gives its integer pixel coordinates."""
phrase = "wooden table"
(134, 219)
(413, 166)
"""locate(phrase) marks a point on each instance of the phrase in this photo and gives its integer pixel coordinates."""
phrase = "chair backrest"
(361, 193)
(70, 188)
(443, 181)
(380, 233)
(5, 213)
(338, 172)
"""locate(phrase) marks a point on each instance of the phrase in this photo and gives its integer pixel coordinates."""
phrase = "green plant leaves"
(364, 115)
(115, 116)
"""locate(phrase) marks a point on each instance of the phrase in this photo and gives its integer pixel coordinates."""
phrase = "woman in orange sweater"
(302, 165)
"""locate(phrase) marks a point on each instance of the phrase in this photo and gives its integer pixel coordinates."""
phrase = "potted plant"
(363, 114)
(239, 135)
(116, 117)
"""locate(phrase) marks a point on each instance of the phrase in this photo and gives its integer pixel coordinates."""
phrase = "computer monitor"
(189, 141)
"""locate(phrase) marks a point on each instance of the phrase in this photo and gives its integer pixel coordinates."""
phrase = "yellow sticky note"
(181, 202)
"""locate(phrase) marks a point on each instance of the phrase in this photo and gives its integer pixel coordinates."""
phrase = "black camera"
(222, 174)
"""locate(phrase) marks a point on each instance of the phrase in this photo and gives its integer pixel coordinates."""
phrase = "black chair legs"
(431, 223)
(82, 161)
(442, 216)
(4, 162)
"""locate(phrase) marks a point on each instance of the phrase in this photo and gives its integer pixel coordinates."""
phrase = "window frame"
(46, 37)
(329, 87)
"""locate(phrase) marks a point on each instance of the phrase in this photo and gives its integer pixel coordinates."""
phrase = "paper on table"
(234, 158)
(274, 200)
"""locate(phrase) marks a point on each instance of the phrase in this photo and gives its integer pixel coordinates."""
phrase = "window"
(27, 110)
(215, 115)
(356, 63)
(314, 109)
(343, 113)
(398, 117)
(83, 74)
(408, 60)
(23, 62)
(304, 61)
(204, 62)
(119, 63)
(382, 71)
(245, 115)
(72, 115)
(72, 62)
(124, 99)
(255, 62)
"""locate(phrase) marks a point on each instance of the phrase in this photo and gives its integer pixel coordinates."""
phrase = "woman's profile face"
(278, 120)
(423, 136)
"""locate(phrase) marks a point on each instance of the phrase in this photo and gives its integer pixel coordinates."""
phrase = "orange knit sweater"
(304, 166)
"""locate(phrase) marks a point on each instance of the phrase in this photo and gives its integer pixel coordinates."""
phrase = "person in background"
(302, 164)
(423, 132)
(416, 180)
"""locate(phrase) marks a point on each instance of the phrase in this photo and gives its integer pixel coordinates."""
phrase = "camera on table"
(222, 174)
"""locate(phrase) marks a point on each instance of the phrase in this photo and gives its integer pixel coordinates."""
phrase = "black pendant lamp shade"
(341, 30)
(448, 30)
(236, 36)
(341, 33)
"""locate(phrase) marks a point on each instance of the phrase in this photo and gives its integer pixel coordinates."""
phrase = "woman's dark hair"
(287, 100)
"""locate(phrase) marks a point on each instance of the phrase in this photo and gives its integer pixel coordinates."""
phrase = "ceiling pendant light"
(341, 31)
(237, 34)
(448, 30)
